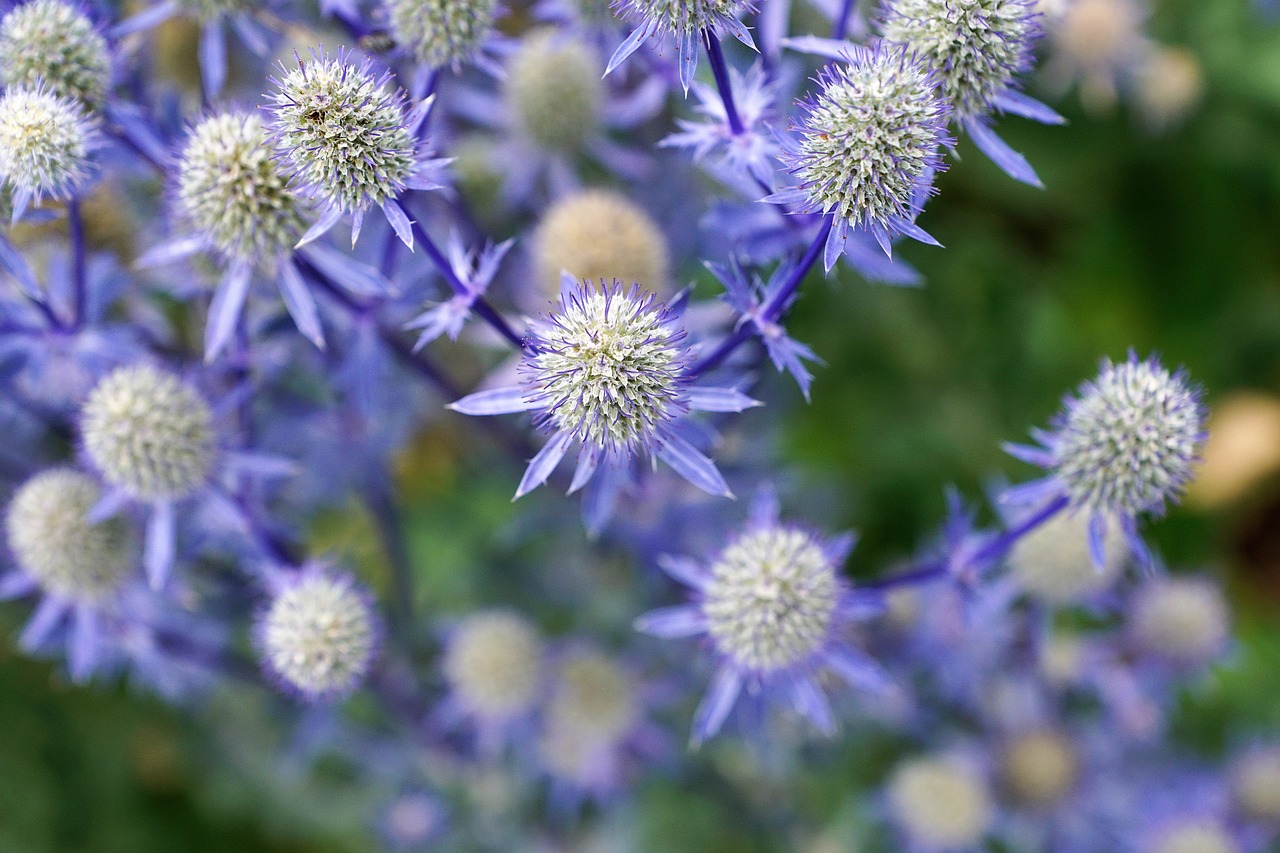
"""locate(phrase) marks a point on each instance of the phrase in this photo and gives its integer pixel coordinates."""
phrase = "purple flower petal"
(704, 399)
(1023, 105)
(685, 459)
(159, 549)
(224, 311)
(321, 227)
(300, 303)
(587, 462)
(495, 401)
(684, 569)
(213, 58)
(85, 641)
(48, 614)
(399, 222)
(811, 704)
(717, 704)
(673, 623)
(546, 460)
(1011, 162)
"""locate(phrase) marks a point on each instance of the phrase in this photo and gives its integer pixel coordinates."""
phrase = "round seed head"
(494, 664)
(57, 547)
(341, 132)
(1255, 784)
(870, 139)
(939, 802)
(567, 754)
(771, 599)
(975, 47)
(148, 433)
(44, 142)
(1052, 562)
(1129, 442)
(599, 235)
(554, 91)
(1039, 768)
(1183, 620)
(608, 367)
(1195, 835)
(1062, 658)
(594, 699)
(53, 41)
(441, 32)
(1168, 85)
(318, 635)
(232, 190)
(681, 17)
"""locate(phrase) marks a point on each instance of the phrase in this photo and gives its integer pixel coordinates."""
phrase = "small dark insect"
(378, 41)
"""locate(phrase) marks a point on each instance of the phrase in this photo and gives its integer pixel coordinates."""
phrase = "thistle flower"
(1181, 620)
(318, 635)
(940, 803)
(53, 41)
(1126, 444)
(977, 48)
(746, 154)
(553, 91)
(1039, 767)
(441, 33)
(1051, 563)
(45, 141)
(493, 664)
(870, 144)
(348, 141)
(686, 21)
(475, 271)
(774, 610)
(599, 234)
(605, 370)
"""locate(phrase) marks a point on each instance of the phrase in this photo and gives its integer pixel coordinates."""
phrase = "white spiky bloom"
(554, 91)
(1183, 620)
(148, 433)
(940, 802)
(599, 235)
(52, 41)
(319, 634)
(45, 141)
(1040, 767)
(441, 33)
(1052, 563)
(54, 543)
(594, 699)
(494, 665)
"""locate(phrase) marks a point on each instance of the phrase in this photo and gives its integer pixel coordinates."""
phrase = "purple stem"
(75, 224)
(386, 518)
(841, 26)
(721, 72)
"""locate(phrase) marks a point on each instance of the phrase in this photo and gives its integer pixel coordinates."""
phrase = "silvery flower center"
(319, 635)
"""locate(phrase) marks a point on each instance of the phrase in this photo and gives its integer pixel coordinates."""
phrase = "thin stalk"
(79, 282)
(721, 73)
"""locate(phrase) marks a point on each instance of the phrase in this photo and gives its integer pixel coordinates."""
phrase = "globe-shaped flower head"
(607, 370)
(56, 545)
(148, 433)
(493, 664)
(870, 144)
(774, 609)
(232, 190)
(319, 634)
(45, 142)
(53, 41)
(940, 802)
(347, 140)
(441, 33)
(685, 21)
(553, 91)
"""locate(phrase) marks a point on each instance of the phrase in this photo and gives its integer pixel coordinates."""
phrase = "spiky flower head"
(870, 140)
(319, 634)
(1129, 441)
(342, 133)
(148, 433)
(1255, 784)
(771, 598)
(1052, 563)
(53, 41)
(607, 367)
(975, 47)
(554, 91)
(53, 541)
(594, 698)
(682, 18)
(441, 32)
(599, 234)
(232, 189)
(45, 142)
(1182, 620)
(1039, 767)
(494, 664)
(941, 802)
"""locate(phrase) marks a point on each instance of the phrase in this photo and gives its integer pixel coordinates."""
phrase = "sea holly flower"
(1182, 621)
(54, 42)
(443, 33)
(686, 21)
(748, 153)
(475, 271)
(1126, 444)
(606, 371)
(775, 610)
(941, 802)
(976, 49)
(869, 145)
(45, 143)
(349, 142)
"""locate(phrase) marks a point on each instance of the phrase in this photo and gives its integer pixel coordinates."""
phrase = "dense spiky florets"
(44, 142)
(319, 634)
(342, 133)
(53, 541)
(441, 32)
(940, 802)
(148, 433)
(494, 664)
(599, 234)
(1052, 562)
(870, 140)
(771, 598)
(231, 188)
(1129, 441)
(53, 41)
(975, 47)
(682, 17)
(607, 367)
(1039, 768)
(594, 699)
(1183, 620)
(554, 91)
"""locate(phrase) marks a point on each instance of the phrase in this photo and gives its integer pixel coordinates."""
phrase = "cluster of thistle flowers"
(160, 477)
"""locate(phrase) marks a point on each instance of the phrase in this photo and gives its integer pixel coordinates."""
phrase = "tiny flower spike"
(775, 611)
(686, 21)
(1127, 443)
(348, 141)
(319, 634)
(45, 142)
(53, 41)
(977, 49)
(606, 370)
(870, 144)
(475, 272)
(441, 33)
(748, 152)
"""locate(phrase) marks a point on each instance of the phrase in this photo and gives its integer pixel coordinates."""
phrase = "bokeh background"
(1160, 236)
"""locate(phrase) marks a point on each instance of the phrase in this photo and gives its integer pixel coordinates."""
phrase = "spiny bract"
(53, 41)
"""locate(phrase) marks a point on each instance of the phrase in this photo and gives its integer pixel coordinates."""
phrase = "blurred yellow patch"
(1243, 449)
